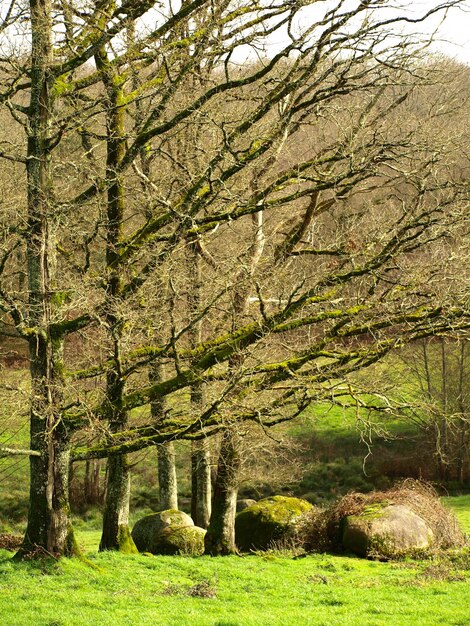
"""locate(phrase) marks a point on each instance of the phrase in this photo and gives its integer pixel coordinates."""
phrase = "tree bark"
(201, 486)
(49, 529)
(220, 536)
(167, 482)
(91, 483)
(166, 467)
(116, 534)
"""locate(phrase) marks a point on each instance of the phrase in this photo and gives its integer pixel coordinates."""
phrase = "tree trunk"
(167, 477)
(116, 534)
(201, 486)
(220, 536)
(49, 528)
(91, 485)
(166, 467)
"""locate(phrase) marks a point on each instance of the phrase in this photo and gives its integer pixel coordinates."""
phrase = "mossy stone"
(385, 530)
(268, 521)
(147, 530)
(188, 540)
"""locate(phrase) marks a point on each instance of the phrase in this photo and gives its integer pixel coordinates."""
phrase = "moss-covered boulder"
(268, 521)
(187, 540)
(406, 518)
(385, 530)
(147, 531)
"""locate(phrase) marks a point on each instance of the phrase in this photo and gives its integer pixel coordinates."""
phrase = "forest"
(234, 267)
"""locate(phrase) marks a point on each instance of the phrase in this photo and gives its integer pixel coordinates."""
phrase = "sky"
(454, 32)
(450, 30)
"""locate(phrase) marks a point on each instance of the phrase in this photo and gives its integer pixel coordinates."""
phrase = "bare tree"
(358, 190)
(437, 401)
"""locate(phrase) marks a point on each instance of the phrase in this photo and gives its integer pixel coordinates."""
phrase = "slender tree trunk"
(167, 482)
(220, 536)
(48, 529)
(201, 487)
(444, 443)
(462, 448)
(91, 484)
(166, 465)
(116, 534)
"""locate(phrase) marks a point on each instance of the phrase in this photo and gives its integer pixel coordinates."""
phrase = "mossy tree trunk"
(49, 528)
(116, 534)
(167, 482)
(220, 536)
(201, 488)
(166, 459)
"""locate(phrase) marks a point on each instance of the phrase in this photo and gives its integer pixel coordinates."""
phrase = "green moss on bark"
(125, 542)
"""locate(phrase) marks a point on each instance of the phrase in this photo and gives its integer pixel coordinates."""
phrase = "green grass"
(461, 507)
(252, 590)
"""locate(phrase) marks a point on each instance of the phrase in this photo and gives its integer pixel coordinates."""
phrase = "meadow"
(274, 588)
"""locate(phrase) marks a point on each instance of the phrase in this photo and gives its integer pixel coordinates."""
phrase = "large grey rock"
(148, 530)
(187, 540)
(268, 521)
(385, 530)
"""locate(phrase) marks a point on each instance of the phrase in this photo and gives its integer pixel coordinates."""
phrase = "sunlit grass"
(461, 507)
(251, 590)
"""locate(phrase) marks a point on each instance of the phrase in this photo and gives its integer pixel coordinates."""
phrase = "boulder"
(244, 504)
(188, 540)
(269, 520)
(146, 532)
(385, 530)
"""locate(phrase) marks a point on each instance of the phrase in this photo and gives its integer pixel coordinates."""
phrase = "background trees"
(439, 401)
(308, 183)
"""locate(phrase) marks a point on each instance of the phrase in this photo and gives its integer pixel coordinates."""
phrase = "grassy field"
(461, 507)
(257, 590)
(251, 590)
